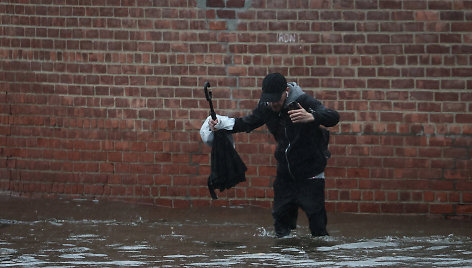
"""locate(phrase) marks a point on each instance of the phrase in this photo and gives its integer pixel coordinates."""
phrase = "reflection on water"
(223, 237)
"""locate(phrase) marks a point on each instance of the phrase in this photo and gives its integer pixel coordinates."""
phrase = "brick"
(366, 72)
(226, 14)
(402, 15)
(369, 208)
(378, 83)
(215, 3)
(390, 4)
(367, 27)
(391, 27)
(461, 27)
(358, 173)
(391, 208)
(453, 84)
(344, 26)
(462, 72)
(319, 4)
(416, 208)
(217, 25)
(346, 207)
(467, 197)
(427, 15)
(235, 3)
(464, 209)
(354, 83)
(415, 5)
(441, 209)
(463, 118)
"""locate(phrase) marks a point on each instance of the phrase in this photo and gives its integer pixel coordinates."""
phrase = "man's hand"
(212, 124)
(221, 122)
(300, 115)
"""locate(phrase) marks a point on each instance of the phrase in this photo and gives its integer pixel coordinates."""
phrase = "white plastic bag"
(224, 122)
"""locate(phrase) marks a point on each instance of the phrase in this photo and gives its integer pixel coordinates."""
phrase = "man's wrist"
(314, 114)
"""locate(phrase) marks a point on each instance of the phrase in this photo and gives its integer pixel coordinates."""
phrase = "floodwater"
(79, 233)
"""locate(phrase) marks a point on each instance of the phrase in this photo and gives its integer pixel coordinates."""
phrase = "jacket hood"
(295, 92)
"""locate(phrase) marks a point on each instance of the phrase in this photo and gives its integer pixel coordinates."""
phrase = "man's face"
(277, 106)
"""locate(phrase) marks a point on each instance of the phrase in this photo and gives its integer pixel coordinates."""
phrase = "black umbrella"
(227, 168)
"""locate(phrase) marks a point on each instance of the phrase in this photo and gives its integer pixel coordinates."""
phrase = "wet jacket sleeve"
(250, 122)
(323, 116)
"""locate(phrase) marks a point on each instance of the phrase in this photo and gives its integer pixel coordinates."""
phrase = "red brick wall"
(103, 99)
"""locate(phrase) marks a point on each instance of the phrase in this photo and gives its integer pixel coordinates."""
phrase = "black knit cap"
(273, 86)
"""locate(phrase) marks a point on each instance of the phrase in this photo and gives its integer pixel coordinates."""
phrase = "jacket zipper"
(286, 154)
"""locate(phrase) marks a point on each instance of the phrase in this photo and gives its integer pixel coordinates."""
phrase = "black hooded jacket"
(302, 147)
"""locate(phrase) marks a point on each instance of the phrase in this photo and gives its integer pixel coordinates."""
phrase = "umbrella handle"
(208, 96)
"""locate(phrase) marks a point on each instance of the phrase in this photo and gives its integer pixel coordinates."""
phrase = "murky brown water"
(74, 233)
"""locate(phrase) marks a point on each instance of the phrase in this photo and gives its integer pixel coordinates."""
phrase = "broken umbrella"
(227, 167)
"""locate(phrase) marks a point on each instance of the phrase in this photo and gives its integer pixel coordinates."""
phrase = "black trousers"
(290, 195)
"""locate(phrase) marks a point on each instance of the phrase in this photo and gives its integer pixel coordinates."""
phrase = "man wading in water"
(294, 119)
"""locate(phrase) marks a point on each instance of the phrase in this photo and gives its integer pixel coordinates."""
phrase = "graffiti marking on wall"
(287, 38)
